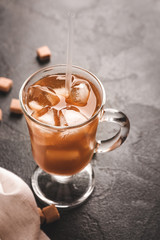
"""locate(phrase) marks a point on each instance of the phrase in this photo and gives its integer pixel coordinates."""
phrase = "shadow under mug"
(65, 176)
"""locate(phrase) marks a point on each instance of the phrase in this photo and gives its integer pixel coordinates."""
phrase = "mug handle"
(113, 116)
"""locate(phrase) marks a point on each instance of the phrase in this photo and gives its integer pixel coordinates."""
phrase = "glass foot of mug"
(63, 191)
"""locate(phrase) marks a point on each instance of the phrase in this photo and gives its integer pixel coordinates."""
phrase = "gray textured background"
(119, 41)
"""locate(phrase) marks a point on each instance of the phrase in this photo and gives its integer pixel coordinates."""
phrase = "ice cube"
(79, 93)
(72, 116)
(60, 91)
(55, 82)
(42, 96)
(62, 119)
(59, 87)
(47, 115)
(34, 105)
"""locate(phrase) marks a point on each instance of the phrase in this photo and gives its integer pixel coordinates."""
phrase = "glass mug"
(65, 176)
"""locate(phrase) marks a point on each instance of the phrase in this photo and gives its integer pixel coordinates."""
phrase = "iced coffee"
(58, 147)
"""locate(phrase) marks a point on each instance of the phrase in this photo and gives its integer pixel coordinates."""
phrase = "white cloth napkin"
(19, 218)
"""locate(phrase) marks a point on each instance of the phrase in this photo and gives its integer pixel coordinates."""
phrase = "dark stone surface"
(119, 41)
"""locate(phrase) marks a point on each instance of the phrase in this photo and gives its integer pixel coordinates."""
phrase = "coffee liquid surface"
(47, 102)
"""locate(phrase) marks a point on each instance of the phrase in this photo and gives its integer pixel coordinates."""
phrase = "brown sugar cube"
(0, 115)
(15, 106)
(5, 84)
(42, 217)
(51, 213)
(44, 53)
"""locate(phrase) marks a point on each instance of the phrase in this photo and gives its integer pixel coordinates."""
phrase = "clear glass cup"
(64, 175)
